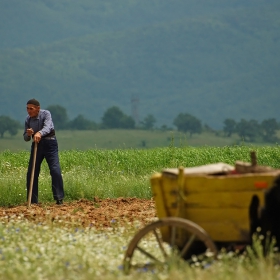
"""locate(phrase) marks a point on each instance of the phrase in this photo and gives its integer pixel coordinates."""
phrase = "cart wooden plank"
(217, 202)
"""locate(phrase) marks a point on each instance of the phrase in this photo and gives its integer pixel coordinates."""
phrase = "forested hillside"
(214, 59)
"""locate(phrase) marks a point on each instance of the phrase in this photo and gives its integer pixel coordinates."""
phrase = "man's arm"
(47, 123)
(27, 132)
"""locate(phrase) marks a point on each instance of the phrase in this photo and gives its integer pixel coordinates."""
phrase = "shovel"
(32, 175)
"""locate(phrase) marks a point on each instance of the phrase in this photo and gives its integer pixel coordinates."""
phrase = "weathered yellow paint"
(227, 231)
(219, 204)
(199, 215)
(223, 199)
(158, 194)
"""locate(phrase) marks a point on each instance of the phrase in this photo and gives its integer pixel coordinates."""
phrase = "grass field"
(125, 139)
(42, 251)
(117, 172)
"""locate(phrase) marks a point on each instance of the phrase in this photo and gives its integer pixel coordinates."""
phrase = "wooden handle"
(32, 174)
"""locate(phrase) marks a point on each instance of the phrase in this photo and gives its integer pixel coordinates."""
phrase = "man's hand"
(29, 132)
(37, 137)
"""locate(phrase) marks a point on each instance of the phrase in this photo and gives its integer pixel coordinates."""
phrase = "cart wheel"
(168, 239)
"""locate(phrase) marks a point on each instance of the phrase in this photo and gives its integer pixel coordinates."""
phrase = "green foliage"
(188, 123)
(269, 128)
(252, 130)
(9, 125)
(229, 127)
(248, 130)
(148, 122)
(115, 118)
(81, 123)
(59, 116)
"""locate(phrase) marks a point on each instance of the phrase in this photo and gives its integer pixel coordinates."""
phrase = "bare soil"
(98, 213)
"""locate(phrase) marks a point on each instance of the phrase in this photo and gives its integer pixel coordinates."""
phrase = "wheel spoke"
(173, 236)
(160, 244)
(187, 245)
(148, 255)
(170, 231)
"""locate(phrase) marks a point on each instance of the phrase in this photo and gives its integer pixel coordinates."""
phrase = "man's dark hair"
(34, 102)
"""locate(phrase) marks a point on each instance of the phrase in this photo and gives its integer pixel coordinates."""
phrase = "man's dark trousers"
(47, 148)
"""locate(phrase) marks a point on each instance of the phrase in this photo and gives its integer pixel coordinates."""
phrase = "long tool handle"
(32, 174)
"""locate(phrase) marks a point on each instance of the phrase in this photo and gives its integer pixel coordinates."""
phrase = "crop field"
(107, 200)
(125, 139)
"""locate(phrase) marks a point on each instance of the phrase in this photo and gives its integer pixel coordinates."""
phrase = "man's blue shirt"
(42, 123)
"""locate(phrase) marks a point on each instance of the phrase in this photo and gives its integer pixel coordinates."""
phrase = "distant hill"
(32, 22)
(213, 59)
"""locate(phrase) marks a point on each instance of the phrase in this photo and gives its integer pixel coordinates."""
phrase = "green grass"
(125, 139)
(118, 172)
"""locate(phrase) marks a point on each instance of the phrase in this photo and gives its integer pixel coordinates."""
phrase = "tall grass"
(116, 173)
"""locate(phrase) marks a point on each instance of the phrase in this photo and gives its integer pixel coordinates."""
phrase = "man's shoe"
(59, 202)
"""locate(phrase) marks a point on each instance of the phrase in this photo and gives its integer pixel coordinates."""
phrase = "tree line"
(114, 118)
(252, 130)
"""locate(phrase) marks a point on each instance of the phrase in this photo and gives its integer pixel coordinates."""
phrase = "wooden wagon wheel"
(159, 243)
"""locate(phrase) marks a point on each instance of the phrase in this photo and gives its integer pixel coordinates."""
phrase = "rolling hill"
(213, 59)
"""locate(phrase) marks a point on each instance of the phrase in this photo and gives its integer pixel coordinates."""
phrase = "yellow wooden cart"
(205, 205)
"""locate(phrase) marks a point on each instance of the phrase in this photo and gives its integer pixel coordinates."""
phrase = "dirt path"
(98, 213)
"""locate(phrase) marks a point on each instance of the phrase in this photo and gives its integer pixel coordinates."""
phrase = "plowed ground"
(98, 213)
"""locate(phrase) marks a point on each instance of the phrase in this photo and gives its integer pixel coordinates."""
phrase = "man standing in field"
(39, 126)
